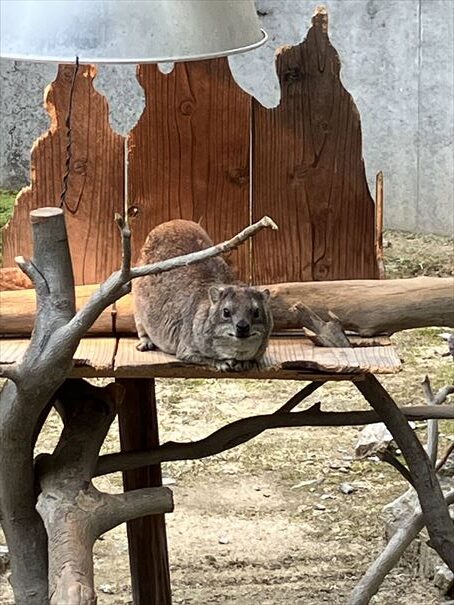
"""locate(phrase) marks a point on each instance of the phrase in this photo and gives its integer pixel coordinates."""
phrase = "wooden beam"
(369, 307)
(148, 555)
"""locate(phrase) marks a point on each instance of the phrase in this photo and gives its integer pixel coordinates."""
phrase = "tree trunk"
(369, 307)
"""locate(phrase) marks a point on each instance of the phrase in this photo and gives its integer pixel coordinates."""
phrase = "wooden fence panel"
(95, 184)
(189, 153)
(308, 172)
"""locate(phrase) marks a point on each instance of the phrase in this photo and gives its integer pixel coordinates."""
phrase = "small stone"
(346, 488)
(4, 558)
(443, 578)
(266, 494)
(168, 481)
(327, 497)
(224, 540)
(319, 507)
(107, 589)
(308, 483)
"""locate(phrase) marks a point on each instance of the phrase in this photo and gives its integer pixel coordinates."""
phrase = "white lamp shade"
(127, 31)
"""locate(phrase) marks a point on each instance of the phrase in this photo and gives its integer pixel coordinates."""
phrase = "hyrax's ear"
(266, 294)
(215, 293)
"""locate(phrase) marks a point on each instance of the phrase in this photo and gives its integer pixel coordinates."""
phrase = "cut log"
(368, 307)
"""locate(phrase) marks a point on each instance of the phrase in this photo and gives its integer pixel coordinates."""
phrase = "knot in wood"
(321, 272)
(133, 211)
(80, 167)
(293, 74)
(187, 107)
(239, 176)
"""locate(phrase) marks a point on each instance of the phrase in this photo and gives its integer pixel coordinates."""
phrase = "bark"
(389, 557)
(74, 512)
(22, 404)
(240, 431)
(369, 307)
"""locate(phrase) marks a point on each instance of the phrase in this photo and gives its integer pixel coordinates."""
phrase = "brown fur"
(183, 311)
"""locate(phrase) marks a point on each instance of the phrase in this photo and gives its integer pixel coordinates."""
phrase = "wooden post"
(148, 556)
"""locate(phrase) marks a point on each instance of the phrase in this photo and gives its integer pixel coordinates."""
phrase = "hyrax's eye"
(256, 313)
(226, 313)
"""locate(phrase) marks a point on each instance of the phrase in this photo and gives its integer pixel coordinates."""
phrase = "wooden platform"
(287, 358)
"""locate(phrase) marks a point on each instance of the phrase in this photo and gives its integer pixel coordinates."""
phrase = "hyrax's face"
(240, 318)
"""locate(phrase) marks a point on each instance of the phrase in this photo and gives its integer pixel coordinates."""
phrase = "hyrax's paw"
(233, 365)
(145, 344)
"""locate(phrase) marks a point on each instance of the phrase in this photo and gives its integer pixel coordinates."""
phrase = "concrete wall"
(397, 58)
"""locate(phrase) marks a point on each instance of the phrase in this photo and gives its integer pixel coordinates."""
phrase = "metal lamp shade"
(127, 31)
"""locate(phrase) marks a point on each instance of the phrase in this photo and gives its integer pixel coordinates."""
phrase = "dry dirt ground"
(248, 528)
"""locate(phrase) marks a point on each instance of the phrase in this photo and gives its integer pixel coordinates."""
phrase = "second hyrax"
(199, 313)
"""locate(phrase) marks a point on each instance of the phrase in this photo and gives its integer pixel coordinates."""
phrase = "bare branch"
(388, 457)
(119, 508)
(34, 274)
(432, 425)
(125, 232)
(240, 431)
(323, 333)
(117, 285)
(388, 558)
(195, 257)
(9, 371)
(443, 394)
(444, 459)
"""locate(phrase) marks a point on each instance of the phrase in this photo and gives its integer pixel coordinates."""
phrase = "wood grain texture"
(95, 183)
(308, 172)
(148, 553)
(369, 307)
(189, 153)
(285, 358)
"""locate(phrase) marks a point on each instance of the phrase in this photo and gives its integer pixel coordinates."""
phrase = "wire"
(68, 146)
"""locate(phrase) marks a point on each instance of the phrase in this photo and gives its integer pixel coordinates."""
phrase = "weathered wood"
(379, 208)
(44, 367)
(148, 553)
(286, 359)
(95, 183)
(308, 172)
(189, 153)
(369, 307)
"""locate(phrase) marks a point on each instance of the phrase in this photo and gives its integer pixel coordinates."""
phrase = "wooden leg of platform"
(138, 420)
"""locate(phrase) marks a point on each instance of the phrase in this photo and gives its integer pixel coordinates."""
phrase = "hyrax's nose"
(242, 329)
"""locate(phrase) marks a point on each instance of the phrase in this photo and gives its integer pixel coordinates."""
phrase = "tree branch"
(119, 508)
(125, 232)
(117, 285)
(9, 371)
(389, 557)
(388, 457)
(240, 431)
(34, 274)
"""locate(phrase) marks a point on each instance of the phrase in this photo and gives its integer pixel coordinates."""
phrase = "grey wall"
(397, 58)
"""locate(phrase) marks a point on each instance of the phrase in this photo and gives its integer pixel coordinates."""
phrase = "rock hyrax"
(199, 313)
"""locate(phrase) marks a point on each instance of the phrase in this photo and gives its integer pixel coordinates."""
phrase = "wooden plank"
(148, 553)
(94, 356)
(95, 183)
(308, 172)
(189, 153)
(285, 359)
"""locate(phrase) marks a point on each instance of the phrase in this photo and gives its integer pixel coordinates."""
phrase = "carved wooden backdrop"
(189, 156)
(95, 184)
